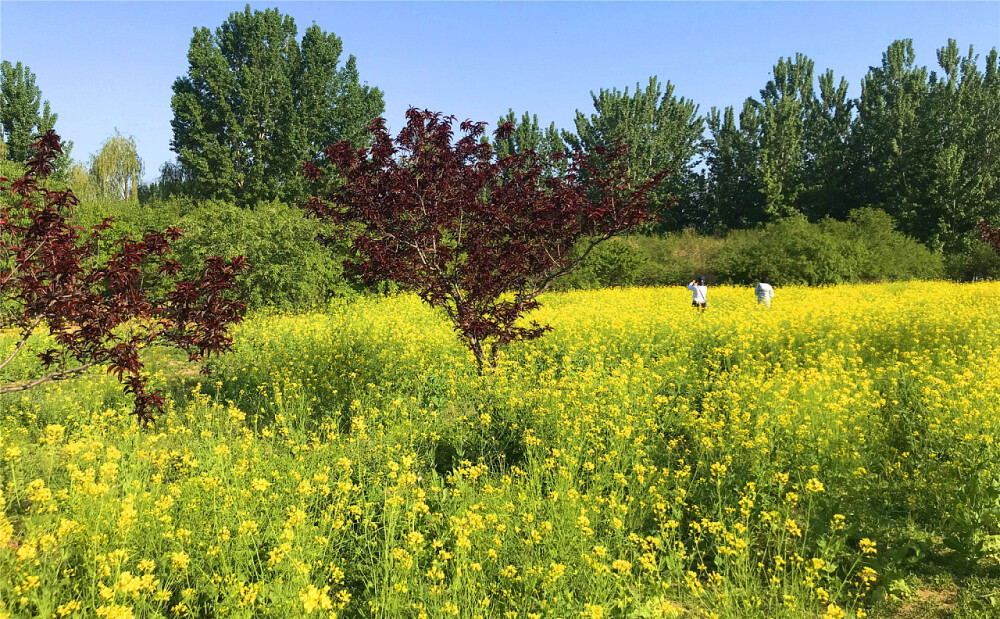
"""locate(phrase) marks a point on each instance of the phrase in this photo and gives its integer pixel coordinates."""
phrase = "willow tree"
(116, 170)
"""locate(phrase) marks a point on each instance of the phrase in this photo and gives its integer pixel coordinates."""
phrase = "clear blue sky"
(107, 65)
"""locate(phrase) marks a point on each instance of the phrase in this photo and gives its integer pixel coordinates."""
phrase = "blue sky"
(107, 65)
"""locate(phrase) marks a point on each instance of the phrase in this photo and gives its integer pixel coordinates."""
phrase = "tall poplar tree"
(24, 116)
(888, 149)
(925, 144)
(734, 196)
(256, 103)
(785, 102)
(664, 132)
(528, 135)
(791, 147)
(826, 135)
(961, 116)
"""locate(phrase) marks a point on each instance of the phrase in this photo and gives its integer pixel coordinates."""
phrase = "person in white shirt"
(764, 292)
(700, 290)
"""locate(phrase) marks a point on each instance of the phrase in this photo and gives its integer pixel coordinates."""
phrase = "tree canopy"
(24, 116)
(663, 132)
(117, 169)
(256, 102)
(919, 144)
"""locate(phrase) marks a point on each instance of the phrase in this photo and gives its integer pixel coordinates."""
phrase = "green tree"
(662, 131)
(24, 116)
(527, 135)
(925, 144)
(889, 152)
(791, 147)
(733, 197)
(256, 103)
(961, 116)
(785, 102)
(172, 181)
(117, 169)
(826, 135)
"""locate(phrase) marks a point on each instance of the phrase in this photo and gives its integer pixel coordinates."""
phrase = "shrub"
(885, 254)
(677, 257)
(793, 251)
(979, 261)
(291, 267)
(618, 262)
(789, 251)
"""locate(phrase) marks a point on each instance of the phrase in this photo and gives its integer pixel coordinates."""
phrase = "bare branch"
(51, 376)
(24, 338)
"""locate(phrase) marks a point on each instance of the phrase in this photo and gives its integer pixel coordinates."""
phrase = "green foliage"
(784, 104)
(925, 144)
(922, 147)
(789, 251)
(528, 136)
(291, 269)
(256, 103)
(115, 171)
(20, 102)
(677, 258)
(663, 132)
(978, 261)
(616, 262)
(884, 253)
(11, 169)
(734, 197)
(826, 170)
(172, 182)
(793, 251)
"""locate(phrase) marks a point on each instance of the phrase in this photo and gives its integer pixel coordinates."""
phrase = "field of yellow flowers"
(641, 460)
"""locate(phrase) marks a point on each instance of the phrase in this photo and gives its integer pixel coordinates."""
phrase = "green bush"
(615, 262)
(885, 254)
(290, 267)
(794, 251)
(977, 262)
(789, 251)
(867, 247)
(678, 257)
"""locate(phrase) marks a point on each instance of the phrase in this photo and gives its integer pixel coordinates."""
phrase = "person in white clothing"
(764, 292)
(700, 290)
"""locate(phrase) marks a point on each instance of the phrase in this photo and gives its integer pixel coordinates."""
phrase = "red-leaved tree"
(474, 234)
(98, 311)
(990, 236)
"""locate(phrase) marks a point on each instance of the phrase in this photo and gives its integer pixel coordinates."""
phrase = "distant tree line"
(923, 146)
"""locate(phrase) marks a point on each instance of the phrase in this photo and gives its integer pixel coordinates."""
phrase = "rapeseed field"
(640, 460)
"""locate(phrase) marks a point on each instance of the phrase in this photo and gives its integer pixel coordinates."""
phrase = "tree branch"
(544, 285)
(51, 376)
(17, 349)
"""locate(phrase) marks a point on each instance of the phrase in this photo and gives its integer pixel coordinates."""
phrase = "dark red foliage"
(990, 236)
(478, 236)
(99, 311)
